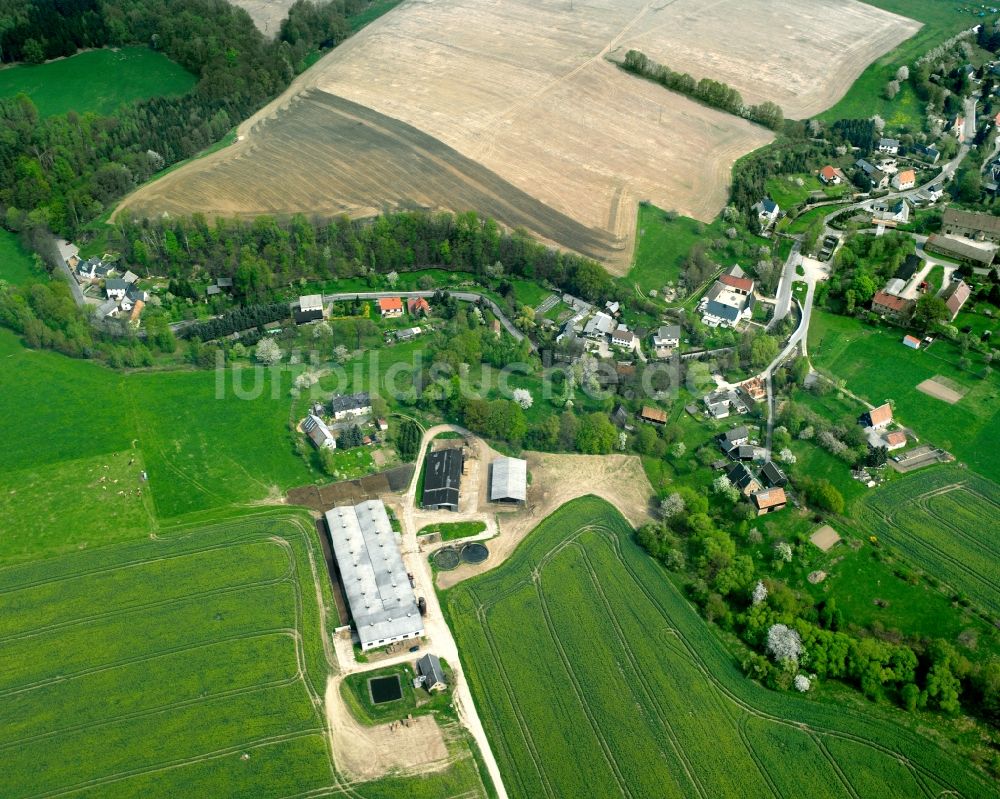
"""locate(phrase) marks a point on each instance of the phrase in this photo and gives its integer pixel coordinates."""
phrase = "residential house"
(319, 432)
(725, 306)
(773, 476)
(770, 500)
(904, 179)
(212, 291)
(755, 388)
(599, 326)
(108, 308)
(666, 339)
(418, 306)
(878, 418)
(890, 212)
(878, 178)
(130, 277)
(429, 668)
(912, 342)
(891, 306)
(653, 415)
(741, 477)
(890, 146)
(115, 288)
(829, 176)
(225, 283)
(955, 296)
(734, 438)
(624, 338)
(971, 225)
(895, 440)
(390, 307)
(619, 416)
(613, 308)
(87, 270)
(310, 309)
(347, 406)
(929, 153)
(736, 279)
(720, 402)
(767, 212)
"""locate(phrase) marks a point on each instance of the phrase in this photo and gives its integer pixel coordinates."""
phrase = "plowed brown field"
(512, 108)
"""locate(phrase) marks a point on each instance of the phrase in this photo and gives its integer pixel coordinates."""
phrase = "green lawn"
(876, 366)
(784, 190)
(414, 701)
(595, 677)
(16, 263)
(451, 531)
(941, 19)
(661, 246)
(97, 80)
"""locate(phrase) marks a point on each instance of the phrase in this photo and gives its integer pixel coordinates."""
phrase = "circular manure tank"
(446, 558)
(474, 553)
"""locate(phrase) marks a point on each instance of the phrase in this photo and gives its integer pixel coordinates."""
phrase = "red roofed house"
(880, 417)
(955, 297)
(891, 305)
(653, 415)
(904, 179)
(418, 305)
(769, 501)
(895, 440)
(829, 176)
(390, 307)
(741, 285)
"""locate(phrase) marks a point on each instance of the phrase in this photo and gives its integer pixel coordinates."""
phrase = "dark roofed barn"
(442, 479)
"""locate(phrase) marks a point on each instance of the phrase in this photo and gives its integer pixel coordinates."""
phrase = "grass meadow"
(96, 81)
(944, 521)
(595, 677)
(942, 19)
(16, 264)
(877, 367)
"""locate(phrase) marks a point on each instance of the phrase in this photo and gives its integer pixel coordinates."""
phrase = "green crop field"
(97, 80)
(941, 20)
(16, 265)
(944, 521)
(595, 677)
(877, 367)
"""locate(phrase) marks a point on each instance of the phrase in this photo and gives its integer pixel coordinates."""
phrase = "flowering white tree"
(322, 329)
(306, 379)
(759, 592)
(723, 485)
(807, 432)
(783, 551)
(801, 683)
(341, 353)
(268, 352)
(523, 398)
(784, 643)
(392, 279)
(622, 440)
(879, 123)
(903, 73)
(678, 449)
(671, 506)
(787, 456)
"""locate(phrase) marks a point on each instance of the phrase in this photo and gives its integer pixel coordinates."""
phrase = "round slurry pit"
(446, 559)
(475, 553)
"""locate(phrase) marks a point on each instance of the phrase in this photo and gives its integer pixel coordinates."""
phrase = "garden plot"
(943, 389)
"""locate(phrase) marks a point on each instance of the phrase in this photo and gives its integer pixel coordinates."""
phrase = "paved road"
(783, 300)
(464, 296)
(798, 337)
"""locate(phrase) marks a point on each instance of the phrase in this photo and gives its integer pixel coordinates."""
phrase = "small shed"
(912, 342)
(429, 667)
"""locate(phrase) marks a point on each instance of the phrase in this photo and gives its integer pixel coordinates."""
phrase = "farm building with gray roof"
(509, 480)
(375, 582)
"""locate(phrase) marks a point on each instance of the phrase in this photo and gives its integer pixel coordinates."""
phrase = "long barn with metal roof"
(375, 581)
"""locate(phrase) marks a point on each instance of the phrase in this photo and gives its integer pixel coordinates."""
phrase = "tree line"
(266, 253)
(710, 92)
(61, 172)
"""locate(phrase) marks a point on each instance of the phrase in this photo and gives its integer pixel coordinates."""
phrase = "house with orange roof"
(891, 306)
(904, 179)
(895, 440)
(879, 418)
(769, 501)
(390, 307)
(955, 296)
(417, 306)
(829, 175)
